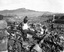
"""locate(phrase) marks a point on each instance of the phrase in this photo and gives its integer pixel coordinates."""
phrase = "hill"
(22, 12)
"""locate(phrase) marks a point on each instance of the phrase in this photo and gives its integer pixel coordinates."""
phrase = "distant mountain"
(17, 10)
(23, 12)
(20, 10)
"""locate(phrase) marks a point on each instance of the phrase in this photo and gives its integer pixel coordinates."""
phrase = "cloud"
(39, 5)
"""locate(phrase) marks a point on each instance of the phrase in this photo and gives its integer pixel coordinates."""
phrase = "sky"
(38, 5)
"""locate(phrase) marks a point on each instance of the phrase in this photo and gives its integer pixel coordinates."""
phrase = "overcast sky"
(38, 5)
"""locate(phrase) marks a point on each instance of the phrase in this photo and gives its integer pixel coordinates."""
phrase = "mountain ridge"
(22, 12)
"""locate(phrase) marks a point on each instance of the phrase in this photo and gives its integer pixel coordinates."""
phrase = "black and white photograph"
(31, 25)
